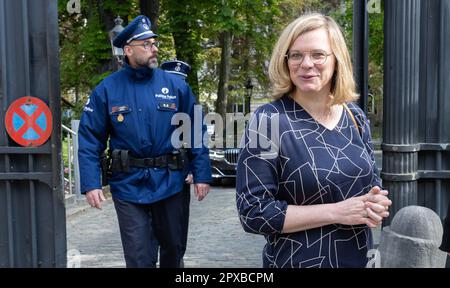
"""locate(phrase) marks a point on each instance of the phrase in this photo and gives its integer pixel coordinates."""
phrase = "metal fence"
(70, 172)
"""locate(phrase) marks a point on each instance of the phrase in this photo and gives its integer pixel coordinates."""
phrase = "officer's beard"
(151, 62)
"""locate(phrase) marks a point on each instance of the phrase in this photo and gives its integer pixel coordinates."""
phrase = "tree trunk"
(150, 8)
(106, 18)
(77, 93)
(186, 45)
(247, 73)
(224, 73)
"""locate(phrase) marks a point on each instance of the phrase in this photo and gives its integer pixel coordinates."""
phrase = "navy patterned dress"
(304, 163)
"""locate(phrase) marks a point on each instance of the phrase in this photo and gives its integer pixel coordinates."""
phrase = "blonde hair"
(343, 83)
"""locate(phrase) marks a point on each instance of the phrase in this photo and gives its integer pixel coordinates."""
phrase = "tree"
(150, 8)
(225, 41)
(183, 20)
(240, 25)
(85, 46)
(224, 73)
(376, 46)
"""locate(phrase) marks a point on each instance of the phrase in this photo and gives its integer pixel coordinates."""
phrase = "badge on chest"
(119, 112)
(167, 106)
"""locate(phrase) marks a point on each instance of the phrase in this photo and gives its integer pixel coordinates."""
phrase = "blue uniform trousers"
(186, 204)
(145, 226)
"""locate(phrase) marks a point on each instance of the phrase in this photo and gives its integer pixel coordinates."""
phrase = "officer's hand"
(201, 190)
(95, 198)
(189, 179)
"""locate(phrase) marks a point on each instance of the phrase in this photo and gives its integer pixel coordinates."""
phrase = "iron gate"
(32, 214)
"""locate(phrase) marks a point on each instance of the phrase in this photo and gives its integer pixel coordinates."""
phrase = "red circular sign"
(29, 121)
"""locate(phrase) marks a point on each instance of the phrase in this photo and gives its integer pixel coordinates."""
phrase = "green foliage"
(376, 40)
(255, 26)
(190, 30)
(376, 58)
(197, 25)
(85, 49)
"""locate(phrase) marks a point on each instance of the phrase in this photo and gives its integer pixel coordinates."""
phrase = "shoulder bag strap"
(353, 118)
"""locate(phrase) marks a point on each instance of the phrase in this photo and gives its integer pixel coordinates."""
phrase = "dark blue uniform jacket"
(134, 107)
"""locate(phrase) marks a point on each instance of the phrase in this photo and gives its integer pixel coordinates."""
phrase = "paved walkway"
(216, 238)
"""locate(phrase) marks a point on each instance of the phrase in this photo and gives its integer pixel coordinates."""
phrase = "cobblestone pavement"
(93, 238)
(216, 238)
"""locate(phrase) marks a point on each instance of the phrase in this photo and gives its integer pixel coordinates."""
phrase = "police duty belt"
(122, 161)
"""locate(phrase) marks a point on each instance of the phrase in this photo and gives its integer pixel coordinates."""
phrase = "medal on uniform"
(120, 118)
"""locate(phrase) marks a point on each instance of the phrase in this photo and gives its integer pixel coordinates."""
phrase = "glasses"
(318, 57)
(147, 45)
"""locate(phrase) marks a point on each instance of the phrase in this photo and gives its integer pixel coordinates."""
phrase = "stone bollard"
(412, 240)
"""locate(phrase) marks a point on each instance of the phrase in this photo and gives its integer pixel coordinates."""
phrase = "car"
(223, 160)
(223, 165)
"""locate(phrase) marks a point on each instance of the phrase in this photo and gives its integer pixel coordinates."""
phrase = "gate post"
(401, 102)
(32, 212)
(361, 50)
(434, 102)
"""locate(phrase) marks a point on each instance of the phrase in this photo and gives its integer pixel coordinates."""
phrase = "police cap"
(176, 67)
(138, 29)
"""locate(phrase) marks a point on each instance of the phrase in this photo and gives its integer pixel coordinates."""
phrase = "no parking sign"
(29, 121)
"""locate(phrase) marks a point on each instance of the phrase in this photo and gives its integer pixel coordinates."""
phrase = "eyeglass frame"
(146, 44)
(309, 52)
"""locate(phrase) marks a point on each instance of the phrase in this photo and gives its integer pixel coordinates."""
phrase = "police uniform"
(181, 69)
(134, 108)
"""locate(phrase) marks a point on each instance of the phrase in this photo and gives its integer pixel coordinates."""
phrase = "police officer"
(134, 108)
(181, 69)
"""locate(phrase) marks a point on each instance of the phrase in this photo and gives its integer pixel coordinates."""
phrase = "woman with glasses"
(306, 176)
